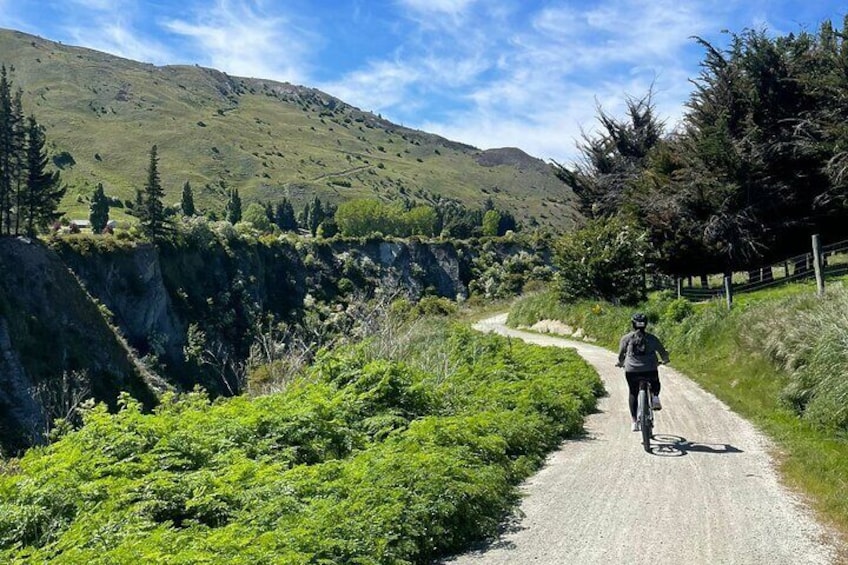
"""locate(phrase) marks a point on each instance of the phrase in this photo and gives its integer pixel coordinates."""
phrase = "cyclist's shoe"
(634, 427)
(655, 403)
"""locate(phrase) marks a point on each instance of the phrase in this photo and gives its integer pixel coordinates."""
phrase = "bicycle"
(645, 411)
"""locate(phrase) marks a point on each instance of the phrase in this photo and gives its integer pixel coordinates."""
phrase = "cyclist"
(637, 353)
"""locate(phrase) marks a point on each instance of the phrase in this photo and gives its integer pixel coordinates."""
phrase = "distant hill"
(269, 139)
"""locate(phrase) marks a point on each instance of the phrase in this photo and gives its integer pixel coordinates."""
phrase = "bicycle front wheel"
(645, 422)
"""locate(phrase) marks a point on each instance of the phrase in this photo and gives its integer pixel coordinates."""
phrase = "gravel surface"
(709, 493)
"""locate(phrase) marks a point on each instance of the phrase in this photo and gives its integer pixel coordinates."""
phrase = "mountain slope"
(269, 139)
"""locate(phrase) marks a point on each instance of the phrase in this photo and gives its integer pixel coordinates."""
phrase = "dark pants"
(633, 379)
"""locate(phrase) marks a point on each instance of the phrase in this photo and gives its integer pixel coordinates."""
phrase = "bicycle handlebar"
(620, 365)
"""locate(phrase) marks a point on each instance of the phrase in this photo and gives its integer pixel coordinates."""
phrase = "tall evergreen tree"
(44, 190)
(98, 213)
(234, 207)
(303, 217)
(316, 215)
(284, 216)
(187, 200)
(19, 166)
(269, 212)
(152, 211)
(7, 151)
(614, 158)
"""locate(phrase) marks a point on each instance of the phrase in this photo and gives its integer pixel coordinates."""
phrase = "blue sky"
(491, 73)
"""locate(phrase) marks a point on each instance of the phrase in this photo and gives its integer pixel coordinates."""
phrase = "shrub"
(603, 260)
(360, 461)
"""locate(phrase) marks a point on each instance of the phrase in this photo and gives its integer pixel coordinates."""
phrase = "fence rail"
(833, 261)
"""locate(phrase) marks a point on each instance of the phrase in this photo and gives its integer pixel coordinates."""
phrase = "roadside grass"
(777, 358)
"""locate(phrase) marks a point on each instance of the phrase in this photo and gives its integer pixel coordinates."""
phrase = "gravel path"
(708, 495)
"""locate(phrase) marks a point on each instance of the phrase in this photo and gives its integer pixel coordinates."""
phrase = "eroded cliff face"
(156, 293)
(120, 311)
(49, 327)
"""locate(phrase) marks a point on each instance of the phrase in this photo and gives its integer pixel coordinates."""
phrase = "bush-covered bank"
(206, 304)
(362, 460)
(227, 282)
(778, 358)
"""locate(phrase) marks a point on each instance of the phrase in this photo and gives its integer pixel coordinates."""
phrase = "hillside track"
(708, 494)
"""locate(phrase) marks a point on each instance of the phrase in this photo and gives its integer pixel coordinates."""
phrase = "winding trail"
(709, 494)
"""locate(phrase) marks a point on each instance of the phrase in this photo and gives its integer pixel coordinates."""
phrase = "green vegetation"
(778, 358)
(29, 193)
(98, 213)
(756, 167)
(149, 207)
(363, 459)
(605, 259)
(187, 200)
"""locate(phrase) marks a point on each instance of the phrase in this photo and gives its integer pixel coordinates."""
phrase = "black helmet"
(639, 321)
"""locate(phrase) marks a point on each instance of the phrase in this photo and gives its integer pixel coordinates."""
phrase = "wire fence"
(834, 262)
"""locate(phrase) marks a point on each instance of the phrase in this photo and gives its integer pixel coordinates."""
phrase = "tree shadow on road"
(666, 445)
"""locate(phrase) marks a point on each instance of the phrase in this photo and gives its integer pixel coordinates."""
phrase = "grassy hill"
(269, 139)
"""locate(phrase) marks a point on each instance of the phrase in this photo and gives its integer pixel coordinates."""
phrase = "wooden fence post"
(817, 265)
(728, 291)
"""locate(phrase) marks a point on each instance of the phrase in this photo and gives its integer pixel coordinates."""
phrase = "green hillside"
(268, 139)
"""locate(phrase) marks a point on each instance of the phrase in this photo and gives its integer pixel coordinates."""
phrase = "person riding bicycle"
(637, 353)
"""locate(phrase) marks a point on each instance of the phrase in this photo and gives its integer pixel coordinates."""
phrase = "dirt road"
(708, 495)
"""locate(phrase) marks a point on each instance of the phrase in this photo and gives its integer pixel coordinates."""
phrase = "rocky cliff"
(118, 312)
(50, 327)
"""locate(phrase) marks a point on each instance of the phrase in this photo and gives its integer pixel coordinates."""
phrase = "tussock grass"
(779, 358)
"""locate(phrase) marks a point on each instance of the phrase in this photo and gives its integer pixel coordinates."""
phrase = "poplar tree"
(234, 207)
(316, 216)
(187, 200)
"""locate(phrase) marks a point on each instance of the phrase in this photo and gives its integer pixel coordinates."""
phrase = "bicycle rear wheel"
(646, 423)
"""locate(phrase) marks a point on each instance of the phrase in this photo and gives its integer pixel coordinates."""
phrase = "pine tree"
(234, 207)
(6, 152)
(152, 211)
(98, 213)
(43, 189)
(18, 161)
(187, 201)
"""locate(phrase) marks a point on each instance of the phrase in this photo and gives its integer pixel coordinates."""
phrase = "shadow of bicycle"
(665, 445)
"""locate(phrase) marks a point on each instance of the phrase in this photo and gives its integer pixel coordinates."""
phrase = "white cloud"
(107, 25)
(99, 5)
(552, 74)
(236, 38)
(453, 7)
(122, 41)
(381, 85)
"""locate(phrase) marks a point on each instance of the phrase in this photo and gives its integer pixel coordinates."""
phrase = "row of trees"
(355, 218)
(759, 162)
(29, 193)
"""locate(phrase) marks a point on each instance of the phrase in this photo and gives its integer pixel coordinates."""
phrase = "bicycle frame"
(645, 413)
